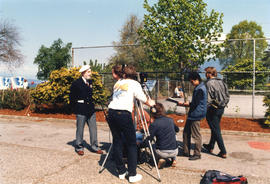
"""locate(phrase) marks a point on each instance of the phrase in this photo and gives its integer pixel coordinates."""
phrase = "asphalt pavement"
(40, 151)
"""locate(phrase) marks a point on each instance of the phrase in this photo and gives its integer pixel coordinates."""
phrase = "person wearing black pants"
(120, 120)
(213, 117)
(218, 98)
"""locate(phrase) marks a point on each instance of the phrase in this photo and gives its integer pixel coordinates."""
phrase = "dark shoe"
(222, 155)
(80, 152)
(195, 157)
(99, 152)
(207, 147)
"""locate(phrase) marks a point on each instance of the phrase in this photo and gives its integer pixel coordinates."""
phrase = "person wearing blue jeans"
(218, 98)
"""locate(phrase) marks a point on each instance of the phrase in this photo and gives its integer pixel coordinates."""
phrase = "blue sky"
(98, 22)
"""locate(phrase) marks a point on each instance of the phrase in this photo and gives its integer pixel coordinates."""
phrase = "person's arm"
(176, 128)
(72, 94)
(150, 102)
(184, 104)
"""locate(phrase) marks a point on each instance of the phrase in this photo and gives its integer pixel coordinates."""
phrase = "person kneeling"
(164, 130)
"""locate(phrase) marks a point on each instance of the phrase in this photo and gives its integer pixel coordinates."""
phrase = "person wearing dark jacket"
(197, 112)
(164, 130)
(81, 101)
(218, 98)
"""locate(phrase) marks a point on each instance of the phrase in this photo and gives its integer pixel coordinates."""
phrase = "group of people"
(207, 101)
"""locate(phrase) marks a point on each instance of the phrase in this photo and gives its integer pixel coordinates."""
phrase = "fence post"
(168, 94)
(72, 52)
(253, 81)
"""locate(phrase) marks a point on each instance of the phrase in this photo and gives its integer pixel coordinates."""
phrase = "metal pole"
(168, 94)
(253, 85)
(72, 51)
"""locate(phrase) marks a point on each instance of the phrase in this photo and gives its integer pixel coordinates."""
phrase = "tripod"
(139, 115)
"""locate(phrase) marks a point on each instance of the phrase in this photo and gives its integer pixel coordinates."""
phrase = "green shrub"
(15, 99)
(57, 89)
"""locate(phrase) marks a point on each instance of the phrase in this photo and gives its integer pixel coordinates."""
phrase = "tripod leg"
(145, 127)
(154, 159)
(104, 162)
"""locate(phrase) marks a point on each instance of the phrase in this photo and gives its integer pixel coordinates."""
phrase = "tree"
(243, 49)
(239, 80)
(9, 43)
(178, 34)
(53, 58)
(134, 55)
(98, 67)
(266, 58)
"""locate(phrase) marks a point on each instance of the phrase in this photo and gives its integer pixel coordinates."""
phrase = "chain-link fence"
(247, 77)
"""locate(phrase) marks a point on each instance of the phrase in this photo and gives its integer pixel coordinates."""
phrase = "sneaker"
(222, 155)
(123, 176)
(207, 147)
(161, 163)
(136, 178)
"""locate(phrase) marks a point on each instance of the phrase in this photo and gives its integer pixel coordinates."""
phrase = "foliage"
(57, 89)
(178, 34)
(134, 55)
(243, 49)
(239, 80)
(9, 42)
(14, 99)
(98, 67)
(52, 58)
(266, 58)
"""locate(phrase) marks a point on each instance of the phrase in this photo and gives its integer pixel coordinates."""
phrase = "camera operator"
(120, 119)
(164, 129)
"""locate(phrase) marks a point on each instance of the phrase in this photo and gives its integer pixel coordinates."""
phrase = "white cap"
(84, 68)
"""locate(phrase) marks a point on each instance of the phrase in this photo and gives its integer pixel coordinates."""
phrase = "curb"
(203, 130)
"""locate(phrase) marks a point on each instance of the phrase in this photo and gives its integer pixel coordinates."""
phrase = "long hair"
(158, 111)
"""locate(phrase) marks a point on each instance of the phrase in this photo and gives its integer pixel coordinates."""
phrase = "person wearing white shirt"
(120, 120)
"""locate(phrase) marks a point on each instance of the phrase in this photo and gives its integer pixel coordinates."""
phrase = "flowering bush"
(57, 89)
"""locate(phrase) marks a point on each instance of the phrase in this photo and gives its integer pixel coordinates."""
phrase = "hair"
(118, 70)
(211, 70)
(129, 72)
(194, 76)
(159, 110)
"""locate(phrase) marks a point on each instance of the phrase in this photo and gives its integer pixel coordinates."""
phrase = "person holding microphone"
(125, 90)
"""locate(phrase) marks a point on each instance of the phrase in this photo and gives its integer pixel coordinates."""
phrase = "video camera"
(142, 77)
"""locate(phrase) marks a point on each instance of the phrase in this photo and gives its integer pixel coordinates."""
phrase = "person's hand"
(151, 102)
(186, 104)
(180, 103)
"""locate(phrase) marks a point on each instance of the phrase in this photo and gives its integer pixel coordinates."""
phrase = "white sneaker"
(123, 176)
(133, 179)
